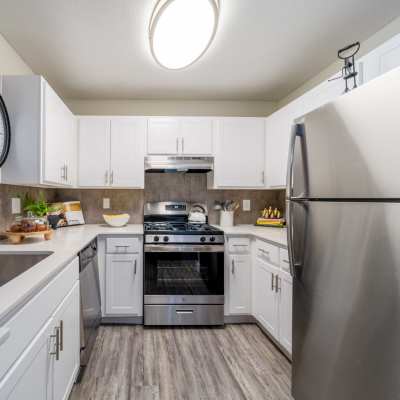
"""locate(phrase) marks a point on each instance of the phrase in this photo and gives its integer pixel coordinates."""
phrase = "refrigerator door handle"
(295, 263)
(298, 131)
(290, 236)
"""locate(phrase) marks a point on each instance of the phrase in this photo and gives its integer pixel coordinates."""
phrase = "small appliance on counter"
(67, 214)
(271, 217)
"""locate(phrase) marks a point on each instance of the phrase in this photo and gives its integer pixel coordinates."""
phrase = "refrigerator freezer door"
(346, 326)
(351, 146)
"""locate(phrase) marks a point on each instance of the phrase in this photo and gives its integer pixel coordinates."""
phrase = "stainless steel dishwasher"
(90, 301)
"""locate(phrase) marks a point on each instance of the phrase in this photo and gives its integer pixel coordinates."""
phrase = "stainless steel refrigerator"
(343, 198)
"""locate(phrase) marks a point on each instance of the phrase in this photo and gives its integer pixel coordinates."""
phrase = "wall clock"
(5, 132)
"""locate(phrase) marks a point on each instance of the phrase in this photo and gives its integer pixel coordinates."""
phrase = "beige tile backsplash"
(159, 187)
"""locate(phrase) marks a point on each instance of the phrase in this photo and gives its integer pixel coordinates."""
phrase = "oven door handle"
(183, 248)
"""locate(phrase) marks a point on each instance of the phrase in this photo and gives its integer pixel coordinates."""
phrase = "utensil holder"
(226, 218)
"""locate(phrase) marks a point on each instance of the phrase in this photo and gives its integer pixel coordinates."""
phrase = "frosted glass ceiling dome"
(181, 31)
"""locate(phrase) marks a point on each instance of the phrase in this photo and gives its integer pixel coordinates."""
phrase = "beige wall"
(10, 62)
(172, 107)
(374, 41)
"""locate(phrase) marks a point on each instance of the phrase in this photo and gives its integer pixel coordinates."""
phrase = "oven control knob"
(202, 239)
(156, 238)
(212, 239)
(166, 238)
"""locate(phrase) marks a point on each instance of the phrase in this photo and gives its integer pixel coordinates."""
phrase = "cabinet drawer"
(239, 245)
(123, 245)
(284, 260)
(18, 332)
(267, 252)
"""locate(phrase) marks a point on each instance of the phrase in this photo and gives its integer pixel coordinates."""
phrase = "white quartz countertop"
(65, 246)
(273, 235)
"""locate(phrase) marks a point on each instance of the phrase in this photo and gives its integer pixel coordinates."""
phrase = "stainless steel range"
(183, 266)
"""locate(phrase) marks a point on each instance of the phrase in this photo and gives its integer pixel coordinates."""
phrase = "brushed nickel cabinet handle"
(57, 344)
(263, 177)
(177, 145)
(183, 145)
(106, 178)
(61, 335)
(112, 177)
(277, 284)
(272, 281)
(66, 172)
(135, 267)
(233, 267)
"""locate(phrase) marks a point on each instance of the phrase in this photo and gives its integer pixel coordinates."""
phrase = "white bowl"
(116, 220)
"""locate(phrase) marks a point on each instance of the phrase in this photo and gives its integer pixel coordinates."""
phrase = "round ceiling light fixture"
(181, 31)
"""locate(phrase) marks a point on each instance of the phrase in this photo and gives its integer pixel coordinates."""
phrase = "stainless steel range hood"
(178, 164)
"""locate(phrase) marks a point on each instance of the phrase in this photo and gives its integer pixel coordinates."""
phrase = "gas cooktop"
(182, 228)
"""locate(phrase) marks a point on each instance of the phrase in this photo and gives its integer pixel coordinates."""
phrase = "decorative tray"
(18, 237)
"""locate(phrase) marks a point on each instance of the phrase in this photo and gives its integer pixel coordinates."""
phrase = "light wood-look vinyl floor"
(237, 362)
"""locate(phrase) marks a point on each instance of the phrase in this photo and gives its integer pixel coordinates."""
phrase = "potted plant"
(36, 211)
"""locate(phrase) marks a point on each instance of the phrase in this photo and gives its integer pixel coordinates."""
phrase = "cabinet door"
(163, 136)
(127, 152)
(196, 136)
(124, 286)
(265, 304)
(239, 284)
(278, 132)
(285, 290)
(53, 110)
(380, 60)
(66, 319)
(239, 159)
(29, 376)
(94, 152)
(70, 148)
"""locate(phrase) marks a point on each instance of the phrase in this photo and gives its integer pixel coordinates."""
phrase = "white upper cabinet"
(43, 145)
(239, 154)
(196, 136)
(127, 152)
(180, 136)
(94, 152)
(111, 152)
(163, 136)
(380, 60)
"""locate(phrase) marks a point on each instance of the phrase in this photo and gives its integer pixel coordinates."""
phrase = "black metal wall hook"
(347, 54)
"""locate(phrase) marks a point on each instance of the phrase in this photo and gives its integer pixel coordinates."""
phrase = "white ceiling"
(262, 51)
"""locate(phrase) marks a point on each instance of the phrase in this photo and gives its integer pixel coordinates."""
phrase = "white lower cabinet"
(272, 292)
(47, 367)
(239, 284)
(28, 378)
(124, 285)
(265, 302)
(65, 364)
(285, 296)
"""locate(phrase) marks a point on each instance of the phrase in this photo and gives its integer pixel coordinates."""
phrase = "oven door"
(183, 274)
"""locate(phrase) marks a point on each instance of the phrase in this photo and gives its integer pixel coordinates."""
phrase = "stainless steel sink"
(14, 264)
